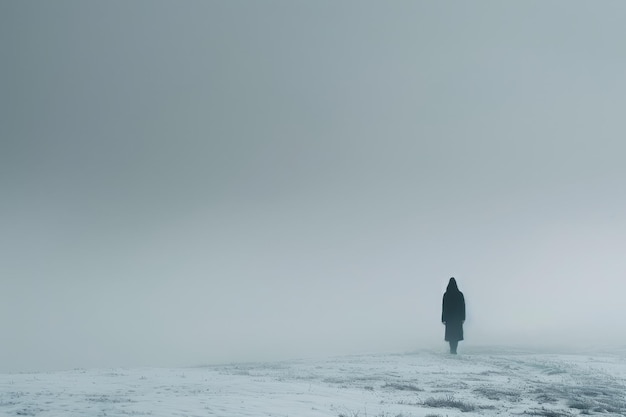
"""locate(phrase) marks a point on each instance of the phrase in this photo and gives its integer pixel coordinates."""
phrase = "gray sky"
(198, 182)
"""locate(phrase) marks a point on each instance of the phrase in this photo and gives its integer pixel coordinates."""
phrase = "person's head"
(452, 285)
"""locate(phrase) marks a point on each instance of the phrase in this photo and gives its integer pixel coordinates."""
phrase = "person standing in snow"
(453, 315)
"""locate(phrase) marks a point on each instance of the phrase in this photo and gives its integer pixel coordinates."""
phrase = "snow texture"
(478, 382)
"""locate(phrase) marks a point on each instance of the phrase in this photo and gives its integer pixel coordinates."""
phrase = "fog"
(204, 182)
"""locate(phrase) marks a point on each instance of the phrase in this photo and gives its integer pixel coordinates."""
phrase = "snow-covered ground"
(478, 382)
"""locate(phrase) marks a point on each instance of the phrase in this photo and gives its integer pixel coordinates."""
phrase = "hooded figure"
(453, 314)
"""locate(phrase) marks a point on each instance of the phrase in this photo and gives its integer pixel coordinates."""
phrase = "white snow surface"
(477, 382)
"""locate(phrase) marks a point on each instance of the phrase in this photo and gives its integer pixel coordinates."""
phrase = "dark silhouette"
(453, 314)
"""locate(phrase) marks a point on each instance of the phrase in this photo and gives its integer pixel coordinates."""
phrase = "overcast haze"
(200, 182)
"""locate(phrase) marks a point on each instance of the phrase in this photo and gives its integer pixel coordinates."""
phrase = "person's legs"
(453, 345)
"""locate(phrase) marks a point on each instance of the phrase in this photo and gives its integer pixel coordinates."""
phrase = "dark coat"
(453, 312)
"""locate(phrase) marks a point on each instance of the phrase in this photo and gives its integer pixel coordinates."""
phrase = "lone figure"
(453, 315)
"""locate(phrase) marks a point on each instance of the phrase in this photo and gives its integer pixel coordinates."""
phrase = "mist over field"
(208, 182)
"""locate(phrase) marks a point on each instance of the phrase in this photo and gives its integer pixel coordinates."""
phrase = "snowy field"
(478, 382)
